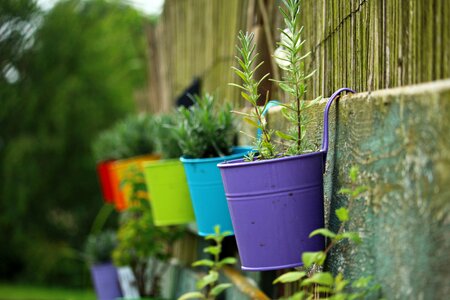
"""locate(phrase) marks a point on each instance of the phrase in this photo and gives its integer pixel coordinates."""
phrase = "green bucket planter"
(169, 192)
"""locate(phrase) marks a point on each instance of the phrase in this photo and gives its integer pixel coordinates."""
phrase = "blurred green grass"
(30, 292)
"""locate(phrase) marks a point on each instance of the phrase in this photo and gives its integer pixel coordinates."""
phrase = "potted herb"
(141, 245)
(206, 134)
(107, 148)
(276, 197)
(166, 180)
(98, 251)
(138, 146)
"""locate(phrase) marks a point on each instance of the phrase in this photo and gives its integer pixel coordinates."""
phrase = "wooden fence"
(376, 44)
(363, 44)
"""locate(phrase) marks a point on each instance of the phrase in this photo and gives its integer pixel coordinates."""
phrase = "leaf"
(313, 102)
(323, 231)
(237, 85)
(240, 74)
(214, 250)
(353, 236)
(324, 289)
(340, 283)
(353, 175)
(322, 278)
(284, 136)
(298, 296)
(203, 262)
(342, 214)
(345, 191)
(290, 277)
(251, 122)
(217, 230)
(246, 96)
(341, 297)
(310, 258)
(228, 261)
(192, 295)
(240, 113)
(211, 277)
(219, 289)
(359, 190)
(226, 233)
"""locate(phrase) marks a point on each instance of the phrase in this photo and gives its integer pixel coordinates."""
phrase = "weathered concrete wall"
(400, 139)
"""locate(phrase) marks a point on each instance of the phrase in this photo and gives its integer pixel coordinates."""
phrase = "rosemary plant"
(264, 145)
(205, 129)
(291, 59)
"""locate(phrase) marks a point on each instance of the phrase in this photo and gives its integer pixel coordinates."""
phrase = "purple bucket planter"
(275, 204)
(106, 281)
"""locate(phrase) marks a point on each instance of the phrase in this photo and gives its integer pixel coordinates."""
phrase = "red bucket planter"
(104, 172)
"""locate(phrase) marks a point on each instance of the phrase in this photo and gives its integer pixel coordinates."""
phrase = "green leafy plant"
(136, 132)
(108, 146)
(205, 129)
(291, 57)
(99, 247)
(131, 136)
(139, 239)
(208, 285)
(316, 284)
(165, 136)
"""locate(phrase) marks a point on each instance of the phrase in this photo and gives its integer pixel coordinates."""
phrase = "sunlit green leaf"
(219, 289)
(290, 277)
(323, 231)
(284, 136)
(192, 295)
(203, 262)
(214, 250)
(353, 174)
(353, 236)
(342, 214)
(228, 261)
(298, 296)
(345, 191)
(322, 278)
(211, 277)
(251, 122)
(310, 258)
(340, 283)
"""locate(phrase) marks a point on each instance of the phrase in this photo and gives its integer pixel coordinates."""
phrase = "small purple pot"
(106, 281)
(275, 204)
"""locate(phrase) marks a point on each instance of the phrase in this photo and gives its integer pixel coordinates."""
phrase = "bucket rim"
(150, 156)
(237, 152)
(162, 162)
(236, 163)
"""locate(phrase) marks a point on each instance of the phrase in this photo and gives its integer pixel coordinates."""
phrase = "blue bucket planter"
(207, 193)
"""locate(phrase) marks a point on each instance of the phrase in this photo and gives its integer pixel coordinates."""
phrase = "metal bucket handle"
(325, 121)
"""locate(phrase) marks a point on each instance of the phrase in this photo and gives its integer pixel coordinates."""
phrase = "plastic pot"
(275, 204)
(166, 182)
(207, 193)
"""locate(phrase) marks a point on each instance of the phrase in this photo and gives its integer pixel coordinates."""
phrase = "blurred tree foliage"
(65, 75)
